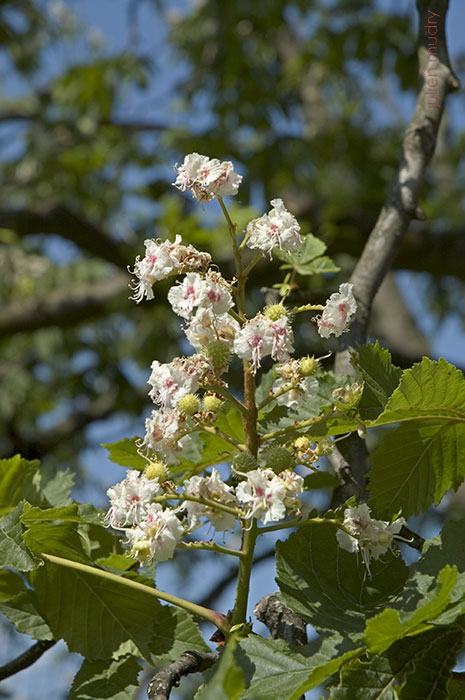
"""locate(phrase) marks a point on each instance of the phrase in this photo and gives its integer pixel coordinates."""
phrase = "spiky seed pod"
(211, 402)
(308, 366)
(218, 353)
(156, 470)
(275, 311)
(279, 458)
(189, 404)
(244, 462)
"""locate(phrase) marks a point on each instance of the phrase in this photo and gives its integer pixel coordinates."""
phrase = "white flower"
(337, 313)
(209, 292)
(372, 538)
(170, 382)
(305, 389)
(267, 495)
(156, 536)
(261, 336)
(206, 326)
(207, 177)
(164, 433)
(130, 499)
(214, 489)
(278, 228)
(164, 258)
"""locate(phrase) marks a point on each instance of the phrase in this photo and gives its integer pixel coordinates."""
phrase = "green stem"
(298, 522)
(307, 307)
(298, 425)
(232, 233)
(257, 257)
(249, 538)
(214, 505)
(212, 616)
(210, 547)
(271, 396)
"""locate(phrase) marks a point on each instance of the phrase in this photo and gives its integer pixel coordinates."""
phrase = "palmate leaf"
(18, 481)
(112, 679)
(13, 551)
(226, 681)
(18, 604)
(273, 669)
(414, 667)
(380, 378)
(308, 258)
(415, 464)
(329, 587)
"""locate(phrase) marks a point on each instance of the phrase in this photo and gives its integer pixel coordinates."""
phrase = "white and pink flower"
(130, 499)
(205, 327)
(372, 538)
(268, 496)
(156, 536)
(171, 381)
(207, 177)
(212, 488)
(338, 311)
(165, 434)
(197, 292)
(261, 336)
(277, 229)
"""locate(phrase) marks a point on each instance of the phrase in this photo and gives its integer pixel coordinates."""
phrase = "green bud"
(275, 311)
(156, 470)
(218, 353)
(308, 366)
(189, 404)
(279, 458)
(211, 402)
(244, 462)
(324, 447)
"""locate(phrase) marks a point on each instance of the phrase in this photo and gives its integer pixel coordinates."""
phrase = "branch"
(401, 207)
(63, 307)
(63, 222)
(282, 622)
(25, 659)
(161, 684)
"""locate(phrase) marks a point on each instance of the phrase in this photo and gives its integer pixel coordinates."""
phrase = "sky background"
(108, 19)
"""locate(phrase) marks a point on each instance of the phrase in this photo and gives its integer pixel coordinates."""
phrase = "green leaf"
(13, 551)
(390, 625)
(274, 669)
(112, 679)
(124, 452)
(310, 248)
(320, 480)
(57, 490)
(33, 514)
(414, 667)
(227, 679)
(62, 539)
(17, 483)
(415, 464)
(380, 378)
(174, 632)
(319, 266)
(329, 587)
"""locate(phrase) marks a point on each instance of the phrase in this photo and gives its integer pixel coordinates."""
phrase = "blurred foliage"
(302, 96)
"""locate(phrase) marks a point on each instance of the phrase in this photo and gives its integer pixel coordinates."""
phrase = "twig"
(401, 207)
(25, 659)
(163, 681)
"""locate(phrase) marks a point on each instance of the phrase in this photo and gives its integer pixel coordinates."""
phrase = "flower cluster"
(152, 531)
(261, 336)
(372, 538)
(277, 229)
(207, 177)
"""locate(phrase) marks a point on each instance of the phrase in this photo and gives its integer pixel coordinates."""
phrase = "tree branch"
(63, 222)
(65, 306)
(401, 207)
(25, 659)
(161, 684)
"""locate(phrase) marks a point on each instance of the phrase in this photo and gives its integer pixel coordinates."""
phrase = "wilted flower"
(261, 336)
(338, 311)
(267, 495)
(156, 536)
(212, 488)
(207, 177)
(372, 538)
(130, 499)
(278, 228)
(164, 258)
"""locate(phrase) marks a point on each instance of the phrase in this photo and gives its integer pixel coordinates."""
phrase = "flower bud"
(275, 311)
(301, 443)
(189, 404)
(279, 459)
(156, 470)
(324, 447)
(244, 462)
(211, 402)
(349, 394)
(309, 366)
(218, 353)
